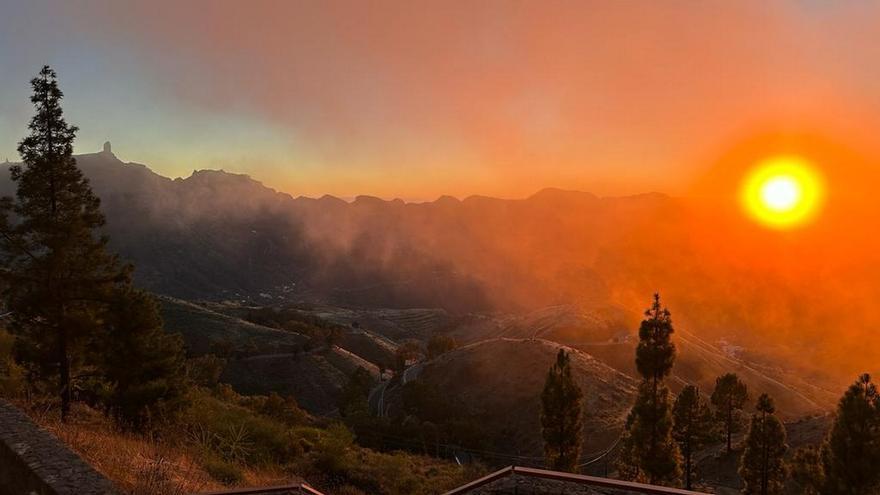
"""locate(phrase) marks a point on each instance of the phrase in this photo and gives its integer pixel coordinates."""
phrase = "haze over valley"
(439, 248)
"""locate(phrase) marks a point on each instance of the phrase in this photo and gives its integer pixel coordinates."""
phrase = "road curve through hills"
(376, 397)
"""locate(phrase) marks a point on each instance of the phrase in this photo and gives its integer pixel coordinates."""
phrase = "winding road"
(376, 398)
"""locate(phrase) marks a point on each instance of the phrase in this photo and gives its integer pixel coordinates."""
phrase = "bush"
(333, 449)
(284, 409)
(12, 379)
(205, 370)
(223, 471)
(236, 433)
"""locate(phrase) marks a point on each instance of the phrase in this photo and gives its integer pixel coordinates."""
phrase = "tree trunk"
(765, 456)
(64, 374)
(729, 422)
(687, 476)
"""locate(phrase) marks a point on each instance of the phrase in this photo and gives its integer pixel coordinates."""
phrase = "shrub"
(221, 470)
(12, 378)
(205, 370)
(236, 433)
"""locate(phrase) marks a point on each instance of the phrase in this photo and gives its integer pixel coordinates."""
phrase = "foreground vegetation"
(226, 439)
(664, 432)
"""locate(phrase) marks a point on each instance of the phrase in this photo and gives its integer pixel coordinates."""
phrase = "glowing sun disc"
(783, 192)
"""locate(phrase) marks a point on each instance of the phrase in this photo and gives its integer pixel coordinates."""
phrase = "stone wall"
(33, 461)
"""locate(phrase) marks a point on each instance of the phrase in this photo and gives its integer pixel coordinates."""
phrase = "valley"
(302, 298)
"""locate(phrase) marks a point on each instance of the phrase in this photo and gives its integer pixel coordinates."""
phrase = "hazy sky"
(415, 99)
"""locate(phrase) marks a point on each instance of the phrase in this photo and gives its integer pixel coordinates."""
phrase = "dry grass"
(139, 464)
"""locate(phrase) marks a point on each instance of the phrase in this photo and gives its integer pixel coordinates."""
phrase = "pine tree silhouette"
(63, 287)
(852, 452)
(561, 416)
(729, 398)
(762, 466)
(649, 452)
(693, 428)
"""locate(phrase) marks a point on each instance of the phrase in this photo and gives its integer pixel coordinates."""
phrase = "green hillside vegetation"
(206, 331)
(339, 326)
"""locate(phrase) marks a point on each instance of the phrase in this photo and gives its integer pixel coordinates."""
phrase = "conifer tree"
(71, 301)
(655, 353)
(56, 267)
(807, 471)
(143, 366)
(762, 466)
(649, 452)
(561, 416)
(729, 398)
(852, 456)
(693, 427)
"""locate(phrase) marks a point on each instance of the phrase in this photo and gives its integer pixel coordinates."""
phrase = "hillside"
(500, 381)
(609, 335)
(205, 331)
(314, 378)
(260, 360)
(392, 324)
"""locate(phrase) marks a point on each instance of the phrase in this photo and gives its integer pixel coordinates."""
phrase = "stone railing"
(33, 461)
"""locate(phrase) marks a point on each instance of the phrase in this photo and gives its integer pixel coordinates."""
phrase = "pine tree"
(649, 452)
(693, 426)
(143, 365)
(561, 416)
(729, 398)
(57, 269)
(807, 472)
(853, 446)
(655, 353)
(762, 466)
(73, 309)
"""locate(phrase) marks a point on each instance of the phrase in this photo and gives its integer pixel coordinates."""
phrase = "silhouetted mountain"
(218, 235)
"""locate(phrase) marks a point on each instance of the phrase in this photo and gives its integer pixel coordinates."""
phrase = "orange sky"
(419, 99)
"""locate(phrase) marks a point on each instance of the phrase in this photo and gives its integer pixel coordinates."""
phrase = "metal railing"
(298, 489)
(576, 479)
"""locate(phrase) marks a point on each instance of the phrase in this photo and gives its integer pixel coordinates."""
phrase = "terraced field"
(203, 330)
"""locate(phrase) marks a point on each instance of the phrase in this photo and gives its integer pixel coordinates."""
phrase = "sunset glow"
(783, 192)
(631, 240)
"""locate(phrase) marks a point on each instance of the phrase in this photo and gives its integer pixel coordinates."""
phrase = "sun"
(783, 192)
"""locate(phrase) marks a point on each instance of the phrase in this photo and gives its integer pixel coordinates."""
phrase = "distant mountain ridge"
(220, 235)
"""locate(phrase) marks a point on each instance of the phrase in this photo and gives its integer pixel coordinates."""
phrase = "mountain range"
(219, 236)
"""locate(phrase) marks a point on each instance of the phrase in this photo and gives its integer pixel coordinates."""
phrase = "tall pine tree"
(71, 301)
(762, 466)
(561, 416)
(693, 427)
(649, 452)
(655, 353)
(56, 267)
(852, 454)
(729, 398)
